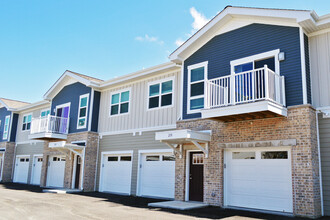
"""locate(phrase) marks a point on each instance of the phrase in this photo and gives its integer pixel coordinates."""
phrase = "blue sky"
(39, 40)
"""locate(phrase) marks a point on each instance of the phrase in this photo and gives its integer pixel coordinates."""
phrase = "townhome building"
(239, 118)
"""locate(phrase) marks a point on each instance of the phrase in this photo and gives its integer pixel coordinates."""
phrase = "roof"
(12, 104)
(307, 19)
(87, 77)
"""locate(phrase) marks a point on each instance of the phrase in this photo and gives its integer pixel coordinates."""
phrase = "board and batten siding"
(128, 142)
(319, 46)
(22, 136)
(139, 116)
(29, 149)
(324, 132)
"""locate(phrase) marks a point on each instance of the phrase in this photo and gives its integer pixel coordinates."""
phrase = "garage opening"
(21, 169)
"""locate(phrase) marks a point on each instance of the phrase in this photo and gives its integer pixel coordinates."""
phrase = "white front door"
(157, 175)
(259, 179)
(56, 169)
(21, 169)
(116, 174)
(36, 170)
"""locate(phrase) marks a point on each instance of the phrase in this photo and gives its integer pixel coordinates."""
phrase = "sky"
(39, 40)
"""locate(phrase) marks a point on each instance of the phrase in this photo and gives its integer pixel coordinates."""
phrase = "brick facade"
(8, 161)
(300, 124)
(88, 165)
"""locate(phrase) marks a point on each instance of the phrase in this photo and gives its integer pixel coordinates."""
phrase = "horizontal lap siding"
(128, 142)
(246, 41)
(139, 116)
(324, 126)
(320, 69)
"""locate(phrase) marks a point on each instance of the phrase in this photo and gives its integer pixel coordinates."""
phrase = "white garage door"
(157, 175)
(36, 170)
(259, 179)
(21, 169)
(116, 174)
(55, 172)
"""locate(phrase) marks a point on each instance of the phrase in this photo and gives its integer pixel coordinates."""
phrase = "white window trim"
(26, 115)
(45, 110)
(4, 128)
(256, 57)
(191, 67)
(85, 117)
(129, 102)
(159, 95)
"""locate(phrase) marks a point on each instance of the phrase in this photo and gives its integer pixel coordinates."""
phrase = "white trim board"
(303, 65)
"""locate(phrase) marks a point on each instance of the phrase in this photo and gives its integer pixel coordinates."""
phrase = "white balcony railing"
(245, 87)
(50, 124)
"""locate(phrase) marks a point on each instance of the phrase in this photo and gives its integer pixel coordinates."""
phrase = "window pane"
(196, 103)
(167, 87)
(7, 120)
(154, 102)
(197, 89)
(243, 67)
(124, 96)
(114, 109)
(154, 90)
(124, 108)
(83, 102)
(21, 159)
(274, 155)
(24, 127)
(82, 112)
(244, 155)
(112, 158)
(28, 125)
(168, 158)
(29, 118)
(24, 119)
(82, 122)
(27, 159)
(166, 100)
(115, 99)
(152, 158)
(197, 74)
(43, 114)
(48, 112)
(125, 158)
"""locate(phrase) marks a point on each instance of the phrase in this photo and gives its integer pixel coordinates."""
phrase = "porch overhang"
(175, 139)
(62, 146)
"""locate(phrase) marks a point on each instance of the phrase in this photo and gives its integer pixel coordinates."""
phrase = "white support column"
(174, 147)
(206, 151)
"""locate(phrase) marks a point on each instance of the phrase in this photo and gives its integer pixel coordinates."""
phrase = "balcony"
(49, 128)
(254, 94)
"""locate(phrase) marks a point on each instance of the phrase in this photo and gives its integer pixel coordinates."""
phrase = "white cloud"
(147, 38)
(199, 21)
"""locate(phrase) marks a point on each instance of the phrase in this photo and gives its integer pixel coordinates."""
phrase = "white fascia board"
(4, 105)
(32, 106)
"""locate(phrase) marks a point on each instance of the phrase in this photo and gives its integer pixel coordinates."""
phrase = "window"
(26, 122)
(112, 158)
(152, 158)
(125, 158)
(160, 94)
(40, 159)
(244, 155)
(45, 113)
(6, 128)
(274, 155)
(119, 103)
(196, 79)
(168, 158)
(198, 159)
(83, 111)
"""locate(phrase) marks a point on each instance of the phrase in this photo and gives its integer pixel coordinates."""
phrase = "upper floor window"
(160, 94)
(197, 74)
(26, 125)
(6, 128)
(83, 111)
(45, 113)
(119, 103)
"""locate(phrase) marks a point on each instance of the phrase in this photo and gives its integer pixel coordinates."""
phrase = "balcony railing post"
(232, 88)
(283, 91)
(207, 97)
(266, 82)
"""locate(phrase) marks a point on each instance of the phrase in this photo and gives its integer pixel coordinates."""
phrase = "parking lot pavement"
(19, 201)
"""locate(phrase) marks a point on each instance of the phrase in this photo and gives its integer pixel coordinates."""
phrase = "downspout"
(320, 169)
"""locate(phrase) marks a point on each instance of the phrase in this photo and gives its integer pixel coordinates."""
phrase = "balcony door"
(62, 114)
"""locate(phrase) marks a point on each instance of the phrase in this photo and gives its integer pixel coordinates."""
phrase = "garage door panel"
(21, 169)
(56, 171)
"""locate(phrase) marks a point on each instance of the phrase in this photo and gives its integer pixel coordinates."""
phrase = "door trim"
(188, 171)
(34, 156)
(101, 167)
(140, 152)
(82, 164)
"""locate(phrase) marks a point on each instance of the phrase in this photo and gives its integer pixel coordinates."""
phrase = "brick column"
(8, 161)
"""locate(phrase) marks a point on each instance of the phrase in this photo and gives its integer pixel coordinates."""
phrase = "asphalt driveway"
(28, 202)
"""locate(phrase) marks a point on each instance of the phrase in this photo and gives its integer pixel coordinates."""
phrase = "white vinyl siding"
(6, 127)
(139, 116)
(82, 111)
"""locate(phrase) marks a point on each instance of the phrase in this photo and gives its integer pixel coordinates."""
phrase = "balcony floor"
(46, 136)
(246, 111)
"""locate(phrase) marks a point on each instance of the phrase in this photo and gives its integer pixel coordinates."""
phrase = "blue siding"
(246, 41)
(96, 110)
(308, 72)
(14, 128)
(3, 113)
(71, 94)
